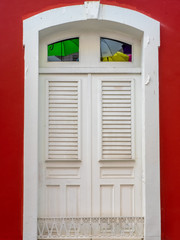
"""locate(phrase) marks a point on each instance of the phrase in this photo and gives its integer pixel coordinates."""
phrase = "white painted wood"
(132, 24)
(126, 200)
(64, 119)
(62, 172)
(31, 141)
(64, 176)
(106, 200)
(53, 203)
(73, 202)
(116, 118)
(107, 188)
(116, 172)
(89, 70)
(113, 87)
(151, 131)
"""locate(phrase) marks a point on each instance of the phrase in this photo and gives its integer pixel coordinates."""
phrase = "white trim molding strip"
(91, 227)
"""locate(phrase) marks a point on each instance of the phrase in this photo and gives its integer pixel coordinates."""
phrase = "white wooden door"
(65, 160)
(90, 145)
(116, 146)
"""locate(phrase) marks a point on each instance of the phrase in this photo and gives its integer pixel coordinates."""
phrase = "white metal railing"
(91, 228)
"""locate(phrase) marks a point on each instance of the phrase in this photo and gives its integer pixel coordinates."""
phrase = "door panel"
(64, 156)
(88, 164)
(116, 164)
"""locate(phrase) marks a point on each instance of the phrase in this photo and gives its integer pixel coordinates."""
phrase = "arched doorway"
(102, 173)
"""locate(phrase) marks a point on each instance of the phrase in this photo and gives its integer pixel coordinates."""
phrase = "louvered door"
(65, 154)
(91, 165)
(116, 160)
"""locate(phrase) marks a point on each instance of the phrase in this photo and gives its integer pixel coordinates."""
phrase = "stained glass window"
(115, 51)
(65, 51)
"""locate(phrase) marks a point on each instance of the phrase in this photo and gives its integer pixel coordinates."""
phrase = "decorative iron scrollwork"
(91, 228)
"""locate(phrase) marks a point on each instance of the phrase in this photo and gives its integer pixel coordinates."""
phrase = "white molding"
(89, 70)
(151, 40)
(92, 9)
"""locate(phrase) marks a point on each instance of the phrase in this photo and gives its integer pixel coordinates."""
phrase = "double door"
(90, 145)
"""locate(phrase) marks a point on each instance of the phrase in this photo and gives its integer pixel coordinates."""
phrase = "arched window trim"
(151, 42)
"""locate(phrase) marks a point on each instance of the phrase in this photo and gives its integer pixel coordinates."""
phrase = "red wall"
(12, 14)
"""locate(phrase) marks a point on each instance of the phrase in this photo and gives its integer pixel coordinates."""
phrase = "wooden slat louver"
(63, 120)
(116, 120)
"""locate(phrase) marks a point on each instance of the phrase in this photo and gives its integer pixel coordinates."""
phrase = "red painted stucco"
(12, 14)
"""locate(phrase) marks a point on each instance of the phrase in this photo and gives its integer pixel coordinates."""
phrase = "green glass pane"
(66, 50)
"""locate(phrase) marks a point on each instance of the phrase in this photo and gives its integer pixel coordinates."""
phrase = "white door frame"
(150, 147)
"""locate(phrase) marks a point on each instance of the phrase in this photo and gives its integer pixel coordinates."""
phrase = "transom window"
(111, 50)
(66, 50)
(115, 51)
